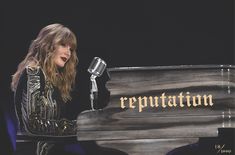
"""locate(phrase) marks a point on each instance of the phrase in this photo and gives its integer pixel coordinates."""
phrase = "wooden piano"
(153, 110)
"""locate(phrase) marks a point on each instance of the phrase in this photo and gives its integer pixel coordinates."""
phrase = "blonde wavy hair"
(41, 53)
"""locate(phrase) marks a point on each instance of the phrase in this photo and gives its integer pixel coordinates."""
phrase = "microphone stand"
(96, 68)
(93, 90)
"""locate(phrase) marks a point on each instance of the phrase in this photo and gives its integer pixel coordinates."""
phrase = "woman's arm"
(40, 112)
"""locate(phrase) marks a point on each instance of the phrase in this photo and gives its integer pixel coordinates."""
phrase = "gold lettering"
(156, 101)
(123, 99)
(210, 100)
(167, 101)
(131, 101)
(188, 99)
(170, 101)
(199, 102)
(181, 99)
(163, 97)
(151, 101)
(141, 106)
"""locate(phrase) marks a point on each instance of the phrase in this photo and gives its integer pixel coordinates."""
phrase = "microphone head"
(97, 66)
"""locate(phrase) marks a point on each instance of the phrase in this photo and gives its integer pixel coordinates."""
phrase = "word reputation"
(165, 101)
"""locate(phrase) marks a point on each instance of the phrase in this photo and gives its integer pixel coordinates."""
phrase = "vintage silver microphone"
(96, 68)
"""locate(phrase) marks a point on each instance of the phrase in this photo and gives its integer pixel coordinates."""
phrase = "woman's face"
(62, 55)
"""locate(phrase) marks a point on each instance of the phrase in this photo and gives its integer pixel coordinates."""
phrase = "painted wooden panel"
(165, 102)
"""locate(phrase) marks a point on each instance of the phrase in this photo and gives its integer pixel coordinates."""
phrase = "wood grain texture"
(114, 124)
(147, 146)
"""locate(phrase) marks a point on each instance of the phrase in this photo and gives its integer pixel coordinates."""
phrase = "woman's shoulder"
(34, 73)
(33, 70)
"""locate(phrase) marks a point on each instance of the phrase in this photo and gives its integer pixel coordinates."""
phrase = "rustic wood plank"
(126, 126)
(147, 146)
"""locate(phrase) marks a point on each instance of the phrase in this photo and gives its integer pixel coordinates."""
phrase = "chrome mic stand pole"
(93, 90)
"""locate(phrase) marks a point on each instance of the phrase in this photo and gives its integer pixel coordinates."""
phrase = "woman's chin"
(60, 65)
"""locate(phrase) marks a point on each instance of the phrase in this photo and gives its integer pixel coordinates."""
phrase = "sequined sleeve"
(40, 112)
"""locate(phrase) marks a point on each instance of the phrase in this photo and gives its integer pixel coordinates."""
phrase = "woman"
(43, 82)
(42, 86)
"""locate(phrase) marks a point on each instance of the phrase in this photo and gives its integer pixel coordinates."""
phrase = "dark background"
(123, 33)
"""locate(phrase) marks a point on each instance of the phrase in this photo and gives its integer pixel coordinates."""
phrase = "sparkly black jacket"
(39, 106)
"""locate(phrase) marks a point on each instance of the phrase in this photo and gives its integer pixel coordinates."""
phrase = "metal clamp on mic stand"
(96, 68)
